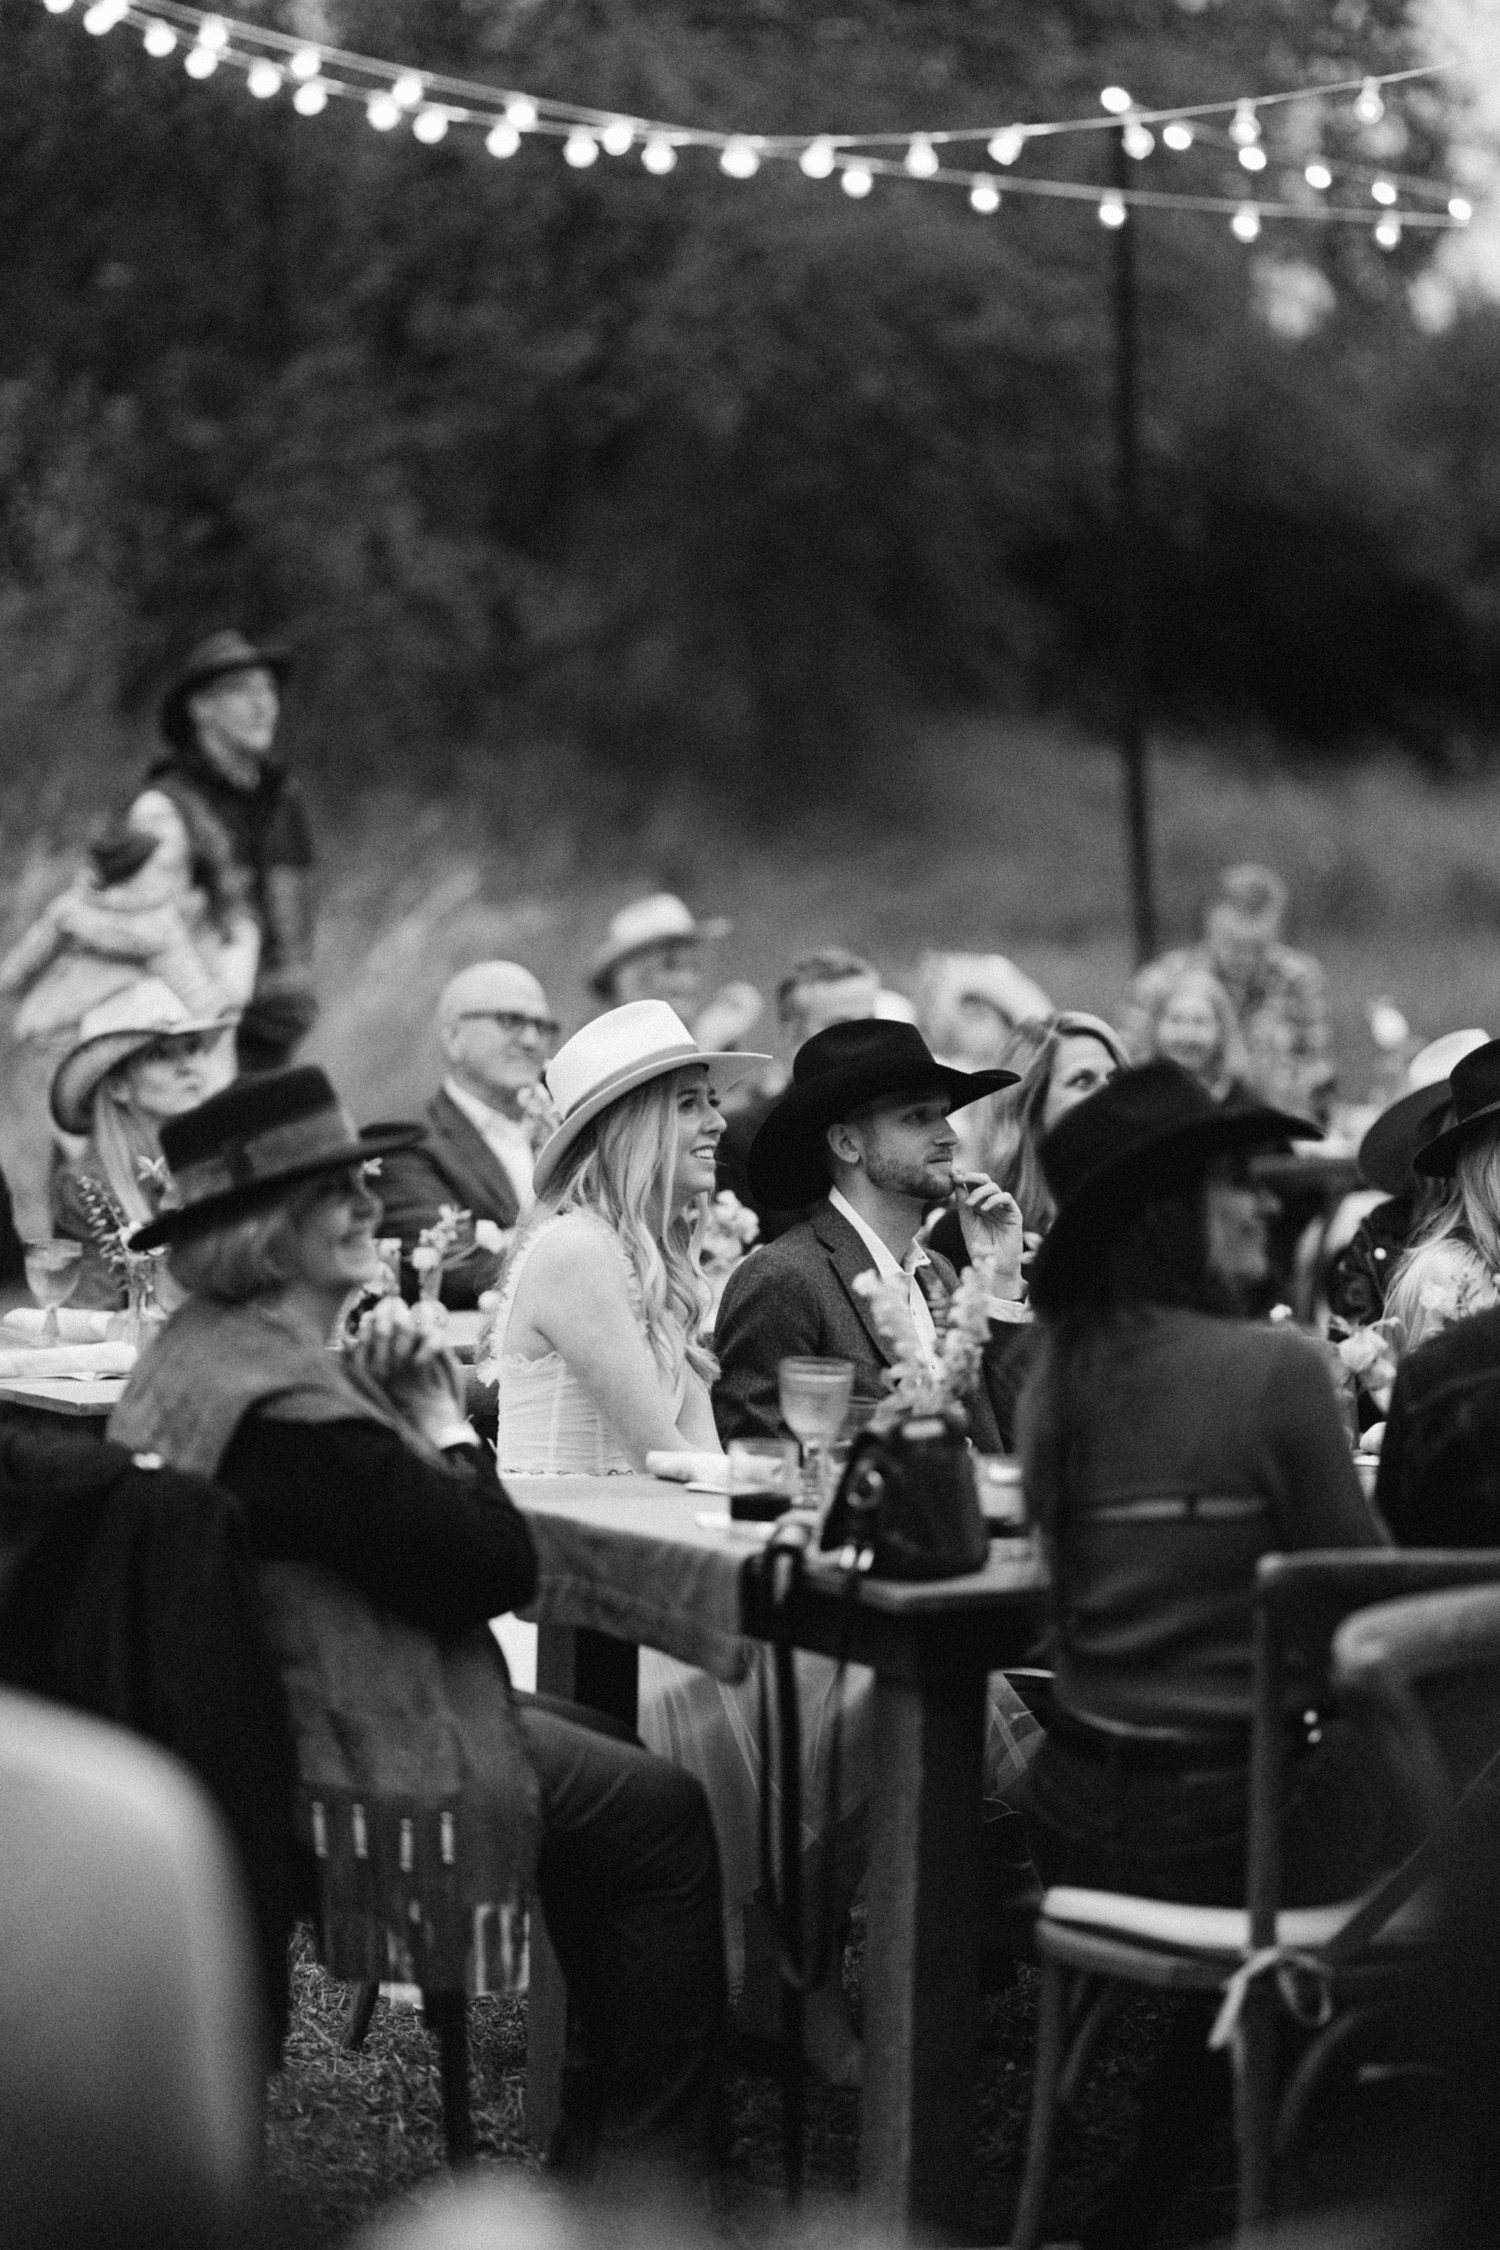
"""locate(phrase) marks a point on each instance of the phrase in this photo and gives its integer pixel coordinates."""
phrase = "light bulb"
(1111, 211)
(856, 180)
(407, 89)
(104, 15)
(520, 111)
(306, 63)
(1246, 223)
(212, 32)
(383, 111)
(922, 159)
(1007, 144)
(1388, 233)
(159, 41)
(740, 160)
(983, 197)
(1178, 135)
(1369, 108)
(430, 125)
(1115, 100)
(580, 149)
(658, 155)
(1253, 157)
(1317, 174)
(1384, 191)
(1139, 140)
(263, 80)
(816, 160)
(1461, 209)
(617, 137)
(200, 62)
(1245, 125)
(502, 139)
(57, 7)
(310, 98)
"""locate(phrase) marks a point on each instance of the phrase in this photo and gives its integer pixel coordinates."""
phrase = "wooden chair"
(1336, 1967)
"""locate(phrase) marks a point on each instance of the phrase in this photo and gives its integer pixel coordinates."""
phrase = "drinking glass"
(143, 1310)
(763, 1478)
(815, 1395)
(52, 1270)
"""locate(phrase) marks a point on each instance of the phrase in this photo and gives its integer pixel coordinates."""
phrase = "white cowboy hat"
(110, 1033)
(661, 919)
(614, 1054)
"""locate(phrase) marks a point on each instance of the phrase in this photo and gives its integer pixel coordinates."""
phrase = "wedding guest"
(362, 1464)
(969, 1004)
(653, 950)
(224, 774)
(1452, 1266)
(1279, 997)
(484, 1125)
(1167, 1445)
(598, 1352)
(140, 1058)
(1192, 1023)
(1439, 1479)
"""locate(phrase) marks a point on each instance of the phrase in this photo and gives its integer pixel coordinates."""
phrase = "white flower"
(491, 1237)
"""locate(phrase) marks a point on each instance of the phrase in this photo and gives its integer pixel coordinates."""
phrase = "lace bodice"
(549, 1425)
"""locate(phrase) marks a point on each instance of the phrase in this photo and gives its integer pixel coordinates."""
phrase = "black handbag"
(907, 1505)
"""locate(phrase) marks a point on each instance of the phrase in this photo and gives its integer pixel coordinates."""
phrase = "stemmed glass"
(815, 1395)
(52, 1270)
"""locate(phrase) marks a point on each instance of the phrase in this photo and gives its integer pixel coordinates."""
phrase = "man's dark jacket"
(795, 1298)
(1439, 1482)
(454, 1164)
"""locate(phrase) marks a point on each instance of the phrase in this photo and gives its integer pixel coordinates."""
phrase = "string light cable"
(430, 103)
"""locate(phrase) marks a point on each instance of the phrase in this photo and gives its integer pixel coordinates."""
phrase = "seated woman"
(597, 1351)
(362, 1464)
(140, 1058)
(1452, 1267)
(1148, 1395)
(1191, 1021)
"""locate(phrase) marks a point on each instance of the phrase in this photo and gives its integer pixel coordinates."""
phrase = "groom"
(862, 1134)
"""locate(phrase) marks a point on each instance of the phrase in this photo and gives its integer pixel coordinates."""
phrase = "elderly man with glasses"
(497, 1032)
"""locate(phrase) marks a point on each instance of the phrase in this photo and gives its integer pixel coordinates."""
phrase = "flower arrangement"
(920, 1384)
(729, 1229)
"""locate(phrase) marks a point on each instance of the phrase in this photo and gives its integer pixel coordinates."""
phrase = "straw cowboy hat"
(1137, 1135)
(223, 652)
(110, 1033)
(1475, 1081)
(626, 1048)
(1386, 1152)
(661, 919)
(242, 1149)
(837, 1073)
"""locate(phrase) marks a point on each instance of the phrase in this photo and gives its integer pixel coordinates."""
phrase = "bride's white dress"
(550, 1426)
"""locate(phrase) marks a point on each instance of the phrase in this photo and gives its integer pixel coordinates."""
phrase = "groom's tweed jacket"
(795, 1297)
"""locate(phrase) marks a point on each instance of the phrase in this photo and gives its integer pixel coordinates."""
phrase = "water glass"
(815, 1395)
(762, 1478)
(52, 1270)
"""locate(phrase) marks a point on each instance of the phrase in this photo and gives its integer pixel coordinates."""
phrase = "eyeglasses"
(512, 1025)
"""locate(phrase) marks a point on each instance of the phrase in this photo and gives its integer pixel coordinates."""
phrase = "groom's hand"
(992, 1224)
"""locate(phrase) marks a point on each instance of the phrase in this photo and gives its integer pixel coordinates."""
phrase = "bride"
(597, 1350)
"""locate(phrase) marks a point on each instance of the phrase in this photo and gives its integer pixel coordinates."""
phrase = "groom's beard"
(930, 1182)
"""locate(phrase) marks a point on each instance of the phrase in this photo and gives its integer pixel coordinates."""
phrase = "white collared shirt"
(505, 1137)
(890, 1268)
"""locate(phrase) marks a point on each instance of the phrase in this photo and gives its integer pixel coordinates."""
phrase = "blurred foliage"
(708, 477)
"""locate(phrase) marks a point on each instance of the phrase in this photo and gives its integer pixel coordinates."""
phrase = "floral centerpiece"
(728, 1231)
(925, 1384)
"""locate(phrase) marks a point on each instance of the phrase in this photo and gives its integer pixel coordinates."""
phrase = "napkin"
(709, 1472)
(68, 1359)
(74, 1327)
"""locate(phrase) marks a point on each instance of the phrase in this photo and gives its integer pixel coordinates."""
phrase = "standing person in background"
(1192, 1023)
(496, 1030)
(1279, 997)
(220, 716)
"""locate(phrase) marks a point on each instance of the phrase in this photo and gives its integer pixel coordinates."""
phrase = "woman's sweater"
(1195, 1446)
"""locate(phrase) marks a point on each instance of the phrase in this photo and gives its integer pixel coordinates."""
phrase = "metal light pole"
(1130, 656)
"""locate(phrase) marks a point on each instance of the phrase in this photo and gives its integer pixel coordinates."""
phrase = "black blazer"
(454, 1164)
(1439, 1479)
(795, 1297)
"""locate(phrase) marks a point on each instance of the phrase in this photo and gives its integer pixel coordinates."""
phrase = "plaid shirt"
(1282, 1011)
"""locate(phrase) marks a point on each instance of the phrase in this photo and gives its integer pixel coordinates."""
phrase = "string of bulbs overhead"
(429, 104)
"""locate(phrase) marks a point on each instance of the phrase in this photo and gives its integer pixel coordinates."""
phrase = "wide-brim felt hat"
(1405, 1125)
(624, 1048)
(1475, 1084)
(837, 1073)
(120, 1026)
(241, 1150)
(661, 919)
(221, 653)
(1139, 1134)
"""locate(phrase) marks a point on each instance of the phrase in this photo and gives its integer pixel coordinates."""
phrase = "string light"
(408, 89)
(658, 155)
(1370, 106)
(1115, 100)
(1384, 191)
(1112, 211)
(816, 160)
(617, 137)
(383, 111)
(502, 139)
(1317, 174)
(306, 63)
(1461, 209)
(1388, 233)
(212, 32)
(984, 198)
(263, 80)
(104, 15)
(1139, 140)
(1007, 144)
(159, 41)
(430, 126)
(1178, 135)
(740, 160)
(580, 150)
(856, 180)
(311, 98)
(922, 158)
(200, 62)
(520, 111)
(57, 7)
(1253, 157)
(1245, 224)
(1245, 127)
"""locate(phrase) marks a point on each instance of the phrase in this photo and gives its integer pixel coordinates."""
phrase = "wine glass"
(52, 1270)
(815, 1395)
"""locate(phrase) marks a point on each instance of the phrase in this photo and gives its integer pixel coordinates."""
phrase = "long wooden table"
(623, 1561)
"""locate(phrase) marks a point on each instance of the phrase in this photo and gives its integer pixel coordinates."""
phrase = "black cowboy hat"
(242, 1149)
(1145, 1129)
(1476, 1098)
(223, 652)
(837, 1072)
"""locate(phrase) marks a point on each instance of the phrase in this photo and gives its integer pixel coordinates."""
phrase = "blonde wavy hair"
(623, 1169)
(1015, 1129)
(1456, 1256)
